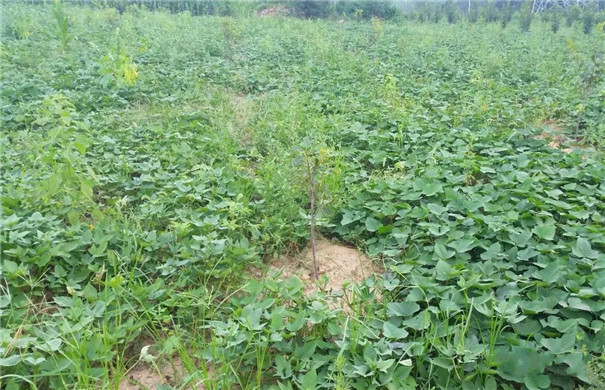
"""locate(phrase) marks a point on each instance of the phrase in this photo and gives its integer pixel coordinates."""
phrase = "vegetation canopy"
(156, 158)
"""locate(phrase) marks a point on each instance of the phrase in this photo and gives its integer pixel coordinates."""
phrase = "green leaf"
(305, 351)
(463, 245)
(402, 309)
(10, 361)
(560, 345)
(383, 365)
(436, 209)
(575, 363)
(517, 363)
(372, 224)
(420, 321)
(52, 345)
(577, 303)
(445, 271)
(442, 253)
(492, 252)
(490, 383)
(299, 321)
(546, 232)
(432, 188)
(393, 332)
(283, 367)
(582, 248)
(527, 253)
(10, 267)
(521, 239)
(439, 230)
(98, 251)
(86, 190)
(527, 327)
(537, 381)
(80, 147)
(550, 274)
(53, 184)
(348, 217)
(116, 281)
(309, 380)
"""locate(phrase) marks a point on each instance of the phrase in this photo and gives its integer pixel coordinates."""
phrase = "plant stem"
(312, 191)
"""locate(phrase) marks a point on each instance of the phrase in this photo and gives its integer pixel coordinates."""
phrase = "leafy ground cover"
(150, 159)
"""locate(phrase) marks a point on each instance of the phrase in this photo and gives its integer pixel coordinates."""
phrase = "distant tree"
(545, 16)
(555, 19)
(472, 15)
(309, 9)
(588, 16)
(526, 16)
(423, 14)
(451, 11)
(506, 14)
(490, 12)
(437, 13)
(573, 14)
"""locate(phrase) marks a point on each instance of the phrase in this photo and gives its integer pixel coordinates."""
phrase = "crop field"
(167, 178)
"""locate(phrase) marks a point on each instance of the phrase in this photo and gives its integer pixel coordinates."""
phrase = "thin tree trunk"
(312, 188)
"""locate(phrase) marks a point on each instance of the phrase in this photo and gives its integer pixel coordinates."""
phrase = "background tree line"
(450, 11)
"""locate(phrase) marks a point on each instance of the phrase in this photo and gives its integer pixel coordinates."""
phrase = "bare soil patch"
(145, 377)
(338, 262)
(554, 141)
(555, 137)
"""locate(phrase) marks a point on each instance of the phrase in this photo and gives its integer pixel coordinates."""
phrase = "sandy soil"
(145, 377)
(338, 262)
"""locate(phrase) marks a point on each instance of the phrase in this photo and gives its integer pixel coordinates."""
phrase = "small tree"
(473, 15)
(573, 14)
(490, 12)
(526, 16)
(451, 11)
(506, 14)
(588, 16)
(555, 19)
(322, 178)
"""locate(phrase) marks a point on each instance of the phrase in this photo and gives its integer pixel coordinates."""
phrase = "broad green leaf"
(10, 361)
(546, 232)
(348, 217)
(463, 245)
(86, 190)
(305, 351)
(575, 363)
(402, 309)
(432, 188)
(490, 383)
(550, 274)
(445, 271)
(436, 209)
(283, 367)
(560, 345)
(299, 321)
(517, 363)
(309, 380)
(383, 365)
(577, 303)
(393, 332)
(442, 253)
(420, 321)
(372, 224)
(492, 252)
(582, 248)
(536, 381)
